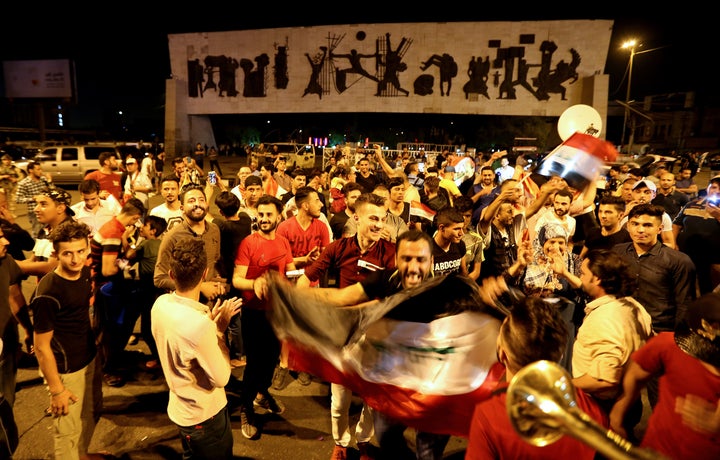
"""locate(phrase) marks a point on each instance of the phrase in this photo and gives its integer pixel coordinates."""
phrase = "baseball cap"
(698, 334)
(645, 183)
(61, 196)
(252, 180)
(130, 161)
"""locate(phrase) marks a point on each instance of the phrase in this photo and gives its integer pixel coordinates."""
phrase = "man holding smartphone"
(187, 171)
(697, 231)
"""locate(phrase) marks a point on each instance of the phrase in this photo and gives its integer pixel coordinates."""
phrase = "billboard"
(39, 79)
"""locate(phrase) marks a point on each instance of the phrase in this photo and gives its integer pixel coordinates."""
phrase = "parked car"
(296, 155)
(68, 164)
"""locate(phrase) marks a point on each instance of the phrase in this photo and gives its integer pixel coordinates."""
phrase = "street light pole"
(628, 44)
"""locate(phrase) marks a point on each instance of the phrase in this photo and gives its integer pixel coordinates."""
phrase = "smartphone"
(713, 200)
(212, 177)
(292, 274)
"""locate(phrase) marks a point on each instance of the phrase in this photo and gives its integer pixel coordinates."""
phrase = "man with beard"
(351, 191)
(483, 192)
(260, 252)
(413, 265)
(194, 207)
(502, 226)
(307, 234)
(668, 197)
(107, 176)
(558, 213)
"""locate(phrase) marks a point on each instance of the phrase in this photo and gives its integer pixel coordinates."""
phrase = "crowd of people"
(619, 285)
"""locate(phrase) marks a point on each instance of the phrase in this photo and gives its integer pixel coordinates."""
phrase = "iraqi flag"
(530, 187)
(420, 210)
(428, 374)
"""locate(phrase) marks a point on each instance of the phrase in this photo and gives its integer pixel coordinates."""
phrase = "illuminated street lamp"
(628, 44)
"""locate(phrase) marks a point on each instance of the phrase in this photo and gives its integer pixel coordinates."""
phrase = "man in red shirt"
(107, 176)
(532, 331)
(685, 421)
(260, 252)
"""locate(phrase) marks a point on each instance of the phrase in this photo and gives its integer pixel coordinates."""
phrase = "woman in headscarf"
(552, 271)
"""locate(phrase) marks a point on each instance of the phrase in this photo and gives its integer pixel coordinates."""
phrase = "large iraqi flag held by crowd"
(427, 374)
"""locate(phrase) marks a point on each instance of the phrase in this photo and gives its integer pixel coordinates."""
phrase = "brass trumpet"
(542, 408)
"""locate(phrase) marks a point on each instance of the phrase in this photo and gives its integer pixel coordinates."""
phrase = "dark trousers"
(117, 312)
(211, 439)
(262, 350)
(391, 439)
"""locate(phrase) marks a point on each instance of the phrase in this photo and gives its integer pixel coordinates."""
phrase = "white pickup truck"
(68, 164)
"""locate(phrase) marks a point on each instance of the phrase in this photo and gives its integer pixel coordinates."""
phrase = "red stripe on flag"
(599, 148)
(442, 414)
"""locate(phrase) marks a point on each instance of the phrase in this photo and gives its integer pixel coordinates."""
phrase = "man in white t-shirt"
(171, 209)
(505, 171)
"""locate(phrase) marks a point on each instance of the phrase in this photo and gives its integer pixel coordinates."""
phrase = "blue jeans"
(211, 439)
(234, 337)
